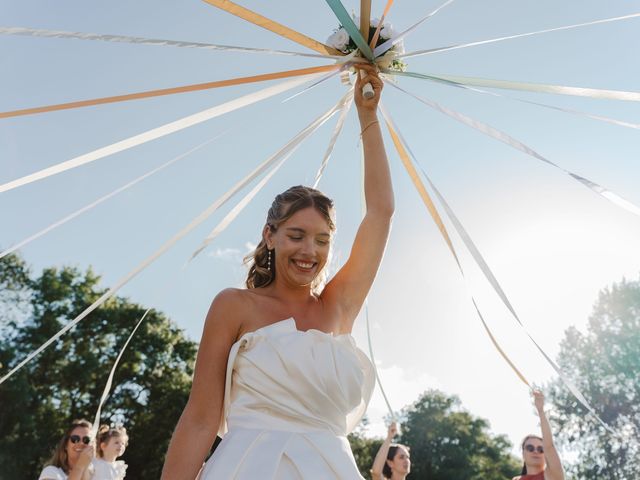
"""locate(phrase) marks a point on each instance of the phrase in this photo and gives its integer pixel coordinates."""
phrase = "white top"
(104, 470)
(291, 397)
(52, 473)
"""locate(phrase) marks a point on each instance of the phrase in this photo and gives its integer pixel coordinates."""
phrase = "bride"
(278, 375)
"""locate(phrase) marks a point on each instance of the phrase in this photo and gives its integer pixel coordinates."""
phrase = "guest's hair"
(60, 458)
(283, 207)
(393, 449)
(106, 433)
(524, 441)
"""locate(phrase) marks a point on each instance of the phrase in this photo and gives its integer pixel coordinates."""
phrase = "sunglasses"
(76, 438)
(530, 448)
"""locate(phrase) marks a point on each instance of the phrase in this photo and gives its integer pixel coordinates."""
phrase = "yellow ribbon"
(365, 18)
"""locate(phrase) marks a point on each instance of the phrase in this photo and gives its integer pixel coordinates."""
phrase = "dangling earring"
(269, 260)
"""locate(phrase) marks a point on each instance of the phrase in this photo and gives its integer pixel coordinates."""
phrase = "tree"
(604, 363)
(64, 382)
(448, 443)
(364, 448)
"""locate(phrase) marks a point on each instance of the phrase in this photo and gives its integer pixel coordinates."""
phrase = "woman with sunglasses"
(72, 457)
(541, 459)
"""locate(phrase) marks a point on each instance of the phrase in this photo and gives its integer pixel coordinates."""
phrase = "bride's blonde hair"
(283, 207)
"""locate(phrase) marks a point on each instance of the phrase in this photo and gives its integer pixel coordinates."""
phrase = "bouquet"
(340, 40)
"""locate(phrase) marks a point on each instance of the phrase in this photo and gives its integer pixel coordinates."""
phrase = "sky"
(552, 243)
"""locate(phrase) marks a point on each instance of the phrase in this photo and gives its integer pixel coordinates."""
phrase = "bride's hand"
(367, 106)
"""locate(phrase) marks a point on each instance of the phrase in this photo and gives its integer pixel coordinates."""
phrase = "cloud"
(226, 254)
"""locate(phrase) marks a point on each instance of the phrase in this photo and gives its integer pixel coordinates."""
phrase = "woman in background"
(72, 457)
(541, 459)
(393, 460)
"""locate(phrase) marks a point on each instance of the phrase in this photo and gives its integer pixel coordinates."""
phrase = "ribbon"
(510, 37)
(518, 145)
(104, 198)
(403, 150)
(32, 32)
(282, 155)
(365, 18)
(373, 361)
(376, 34)
(170, 91)
(316, 83)
(210, 210)
(527, 86)
(484, 267)
(334, 138)
(272, 26)
(107, 387)
(363, 211)
(381, 49)
(579, 113)
(347, 22)
(158, 132)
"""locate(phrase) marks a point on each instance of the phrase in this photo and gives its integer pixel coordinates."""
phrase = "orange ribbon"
(170, 91)
(275, 27)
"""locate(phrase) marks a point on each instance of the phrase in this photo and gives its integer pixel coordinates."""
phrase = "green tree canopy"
(604, 363)
(448, 443)
(65, 381)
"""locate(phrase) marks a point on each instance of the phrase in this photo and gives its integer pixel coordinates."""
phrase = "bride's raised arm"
(348, 289)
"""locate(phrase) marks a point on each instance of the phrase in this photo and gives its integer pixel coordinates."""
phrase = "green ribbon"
(347, 22)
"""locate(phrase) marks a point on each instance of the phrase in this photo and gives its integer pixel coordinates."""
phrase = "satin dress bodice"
(291, 397)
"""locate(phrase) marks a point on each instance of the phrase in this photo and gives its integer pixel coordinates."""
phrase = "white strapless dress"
(291, 397)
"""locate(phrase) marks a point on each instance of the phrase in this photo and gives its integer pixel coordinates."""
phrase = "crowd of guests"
(81, 456)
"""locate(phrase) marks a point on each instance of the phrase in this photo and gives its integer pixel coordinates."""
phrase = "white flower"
(374, 22)
(339, 39)
(399, 47)
(387, 31)
(386, 60)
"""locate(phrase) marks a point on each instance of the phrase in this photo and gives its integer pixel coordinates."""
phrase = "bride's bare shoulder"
(232, 300)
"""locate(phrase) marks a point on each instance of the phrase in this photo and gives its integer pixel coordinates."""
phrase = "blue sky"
(551, 242)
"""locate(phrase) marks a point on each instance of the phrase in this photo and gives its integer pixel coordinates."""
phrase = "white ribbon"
(334, 138)
(373, 361)
(518, 145)
(104, 198)
(32, 32)
(159, 132)
(486, 270)
(418, 53)
(579, 113)
(541, 87)
(380, 49)
(107, 387)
